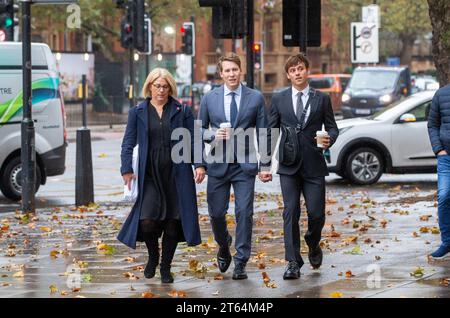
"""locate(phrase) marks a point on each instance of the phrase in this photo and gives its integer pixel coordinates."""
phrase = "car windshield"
(374, 80)
(385, 113)
(321, 83)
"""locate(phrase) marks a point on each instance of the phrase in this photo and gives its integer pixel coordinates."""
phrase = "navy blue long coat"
(137, 133)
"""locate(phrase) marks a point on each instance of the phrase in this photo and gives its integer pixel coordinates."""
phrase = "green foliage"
(101, 19)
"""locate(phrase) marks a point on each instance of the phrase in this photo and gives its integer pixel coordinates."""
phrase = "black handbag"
(290, 152)
(291, 149)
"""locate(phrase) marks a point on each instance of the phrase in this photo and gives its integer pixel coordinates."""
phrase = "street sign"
(371, 14)
(364, 43)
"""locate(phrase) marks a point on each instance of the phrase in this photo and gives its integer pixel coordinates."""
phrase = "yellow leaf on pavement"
(46, 229)
(435, 230)
(418, 272)
(53, 289)
(19, 274)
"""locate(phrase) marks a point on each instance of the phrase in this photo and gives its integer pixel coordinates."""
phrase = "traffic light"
(126, 34)
(134, 27)
(188, 32)
(139, 24)
(229, 18)
(147, 48)
(259, 53)
(7, 19)
(291, 23)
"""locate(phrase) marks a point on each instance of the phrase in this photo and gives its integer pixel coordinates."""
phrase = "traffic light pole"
(131, 87)
(28, 155)
(192, 67)
(250, 40)
(303, 32)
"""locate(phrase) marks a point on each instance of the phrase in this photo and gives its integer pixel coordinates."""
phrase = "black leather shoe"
(150, 268)
(224, 257)
(166, 276)
(239, 271)
(315, 257)
(292, 271)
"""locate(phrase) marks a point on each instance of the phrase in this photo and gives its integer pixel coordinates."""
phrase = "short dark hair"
(232, 57)
(294, 60)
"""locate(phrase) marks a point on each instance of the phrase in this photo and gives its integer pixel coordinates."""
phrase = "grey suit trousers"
(218, 196)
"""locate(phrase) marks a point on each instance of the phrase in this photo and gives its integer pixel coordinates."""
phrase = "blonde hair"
(153, 76)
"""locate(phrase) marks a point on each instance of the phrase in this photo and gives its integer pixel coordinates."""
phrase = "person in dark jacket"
(166, 204)
(300, 112)
(439, 131)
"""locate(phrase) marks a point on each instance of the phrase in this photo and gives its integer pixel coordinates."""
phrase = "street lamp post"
(28, 154)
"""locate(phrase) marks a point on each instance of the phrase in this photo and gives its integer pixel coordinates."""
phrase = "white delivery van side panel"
(47, 110)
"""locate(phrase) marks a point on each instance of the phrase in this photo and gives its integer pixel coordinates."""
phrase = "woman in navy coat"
(167, 203)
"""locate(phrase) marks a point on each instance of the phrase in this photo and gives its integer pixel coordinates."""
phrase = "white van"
(48, 115)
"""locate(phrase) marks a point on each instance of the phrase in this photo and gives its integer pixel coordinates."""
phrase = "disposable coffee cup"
(226, 126)
(321, 134)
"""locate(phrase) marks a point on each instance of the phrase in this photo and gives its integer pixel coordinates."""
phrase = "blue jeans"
(443, 170)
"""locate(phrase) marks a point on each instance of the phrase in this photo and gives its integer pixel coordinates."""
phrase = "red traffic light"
(128, 28)
(183, 30)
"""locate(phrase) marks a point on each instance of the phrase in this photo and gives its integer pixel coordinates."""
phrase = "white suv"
(394, 140)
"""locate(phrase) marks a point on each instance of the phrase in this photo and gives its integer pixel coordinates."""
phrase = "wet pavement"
(375, 243)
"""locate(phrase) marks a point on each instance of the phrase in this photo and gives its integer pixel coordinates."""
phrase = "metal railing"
(110, 110)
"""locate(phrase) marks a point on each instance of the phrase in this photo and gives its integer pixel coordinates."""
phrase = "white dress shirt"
(305, 97)
(227, 100)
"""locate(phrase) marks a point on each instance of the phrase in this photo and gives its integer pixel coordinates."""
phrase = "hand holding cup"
(323, 139)
(224, 132)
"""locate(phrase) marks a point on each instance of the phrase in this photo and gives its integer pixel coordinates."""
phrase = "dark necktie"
(233, 109)
(299, 106)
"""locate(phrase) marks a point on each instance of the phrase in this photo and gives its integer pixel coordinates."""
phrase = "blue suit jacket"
(137, 133)
(252, 114)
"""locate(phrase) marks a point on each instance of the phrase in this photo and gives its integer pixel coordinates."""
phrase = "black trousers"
(313, 189)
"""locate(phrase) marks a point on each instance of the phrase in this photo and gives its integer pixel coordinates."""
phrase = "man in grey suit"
(242, 108)
(300, 112)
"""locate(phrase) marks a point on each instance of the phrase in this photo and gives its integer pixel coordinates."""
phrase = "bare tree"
(440, 20)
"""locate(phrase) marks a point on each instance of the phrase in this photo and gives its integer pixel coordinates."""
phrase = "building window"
(270, 78)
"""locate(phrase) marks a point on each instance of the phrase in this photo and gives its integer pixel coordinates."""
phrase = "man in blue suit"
(243, 109)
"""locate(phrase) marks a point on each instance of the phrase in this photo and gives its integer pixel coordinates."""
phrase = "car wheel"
(364, 166)
(11, 179)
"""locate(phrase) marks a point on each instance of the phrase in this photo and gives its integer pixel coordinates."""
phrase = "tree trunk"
(439, 14)
(407, 48)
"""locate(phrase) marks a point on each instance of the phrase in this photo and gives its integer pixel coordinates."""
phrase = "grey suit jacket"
(252, 114)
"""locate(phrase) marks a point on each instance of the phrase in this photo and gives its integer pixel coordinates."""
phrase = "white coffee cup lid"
(225, 125)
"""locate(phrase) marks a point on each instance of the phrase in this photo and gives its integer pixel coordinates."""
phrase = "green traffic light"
(8, 22)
